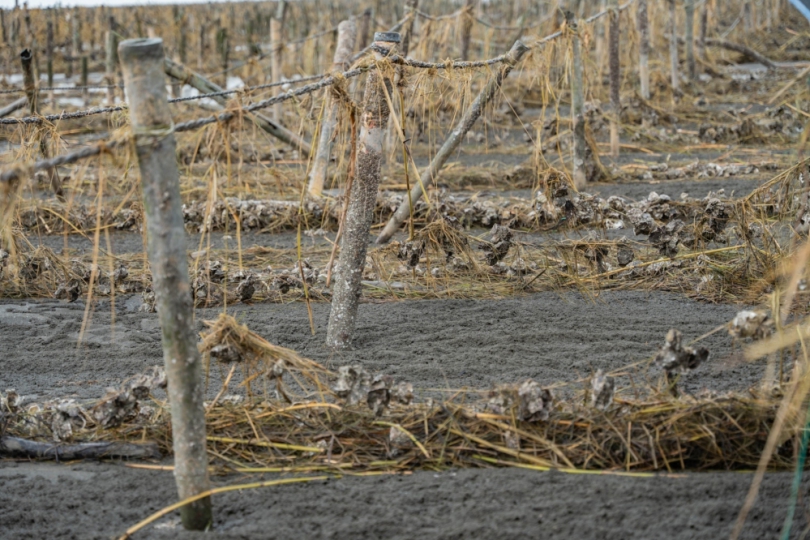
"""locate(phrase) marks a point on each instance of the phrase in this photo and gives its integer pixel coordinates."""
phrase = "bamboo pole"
(689, 37)
(675, 79)
(155, 148)
(362, 200)
(182, 73)
(471, 115)
(615, 79)
(347, 34)
(643, 49)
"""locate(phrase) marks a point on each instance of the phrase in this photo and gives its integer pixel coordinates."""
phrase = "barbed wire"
(16, 173)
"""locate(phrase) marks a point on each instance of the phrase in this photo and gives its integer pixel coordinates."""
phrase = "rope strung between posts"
(18, 172)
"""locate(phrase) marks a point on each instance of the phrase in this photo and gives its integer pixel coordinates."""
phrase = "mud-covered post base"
(142, 61)
(362, 199)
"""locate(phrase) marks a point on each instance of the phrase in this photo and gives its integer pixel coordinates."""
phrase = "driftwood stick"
(362, 200)
(17, 447)
(456, 137)
(155, 148)
(347, 34)
(737, 47)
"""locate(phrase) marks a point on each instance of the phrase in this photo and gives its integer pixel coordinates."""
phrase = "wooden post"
(643, 50)
(85, 91)
(466, 28)
(143, 66)
(110, 67)
(32, 94)
(365, 27)
(450, 145)
(675, 79)
(276, 48)
(347, 34)
(201, 52)
(704, 21)
(748, 20)
(49, 60)
(223, 48)
(615, 79)
(362, 200)
(689, 38)
(600, 40)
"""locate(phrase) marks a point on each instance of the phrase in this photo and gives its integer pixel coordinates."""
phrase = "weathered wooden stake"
(223, 49)
(362, 200)
(450, 145)
(277, 47)
(201, 50)
(155, 147)
(675, 78)
(347, 34)
(615, 79)
(643, 50)
(466, 28)
(689, 37)
(85, 91)
(49, 60)
(704, 21)
(110, 67)
(365, 27)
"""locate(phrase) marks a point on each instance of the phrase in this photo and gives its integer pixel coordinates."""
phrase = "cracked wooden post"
(643, 50)
(466, 28)
(276, 47)
(155, 147)
(362, 200)
(689, 38)
(675, 78)
(615, 79)
(453, 141)
(347, 34)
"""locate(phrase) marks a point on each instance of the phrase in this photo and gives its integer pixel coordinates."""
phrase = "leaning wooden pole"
(464, 125)
(347, 34)
(362, 200)
(643, 50)
(615, 78)
(155, 148)
(182, 73)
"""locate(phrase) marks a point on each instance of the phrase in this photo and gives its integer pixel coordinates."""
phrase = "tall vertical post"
(223, 48)
(365, 27)
(466, 28)
(615, 78)
(110, 67)
(643, 49)
(85, 91)
(142, 62)
(49, 60)
(347, 33)
(689, 38)
(277, 47)
(201, 51)
(362, 199)
(704, 21)
(675, 78)
(580, 146)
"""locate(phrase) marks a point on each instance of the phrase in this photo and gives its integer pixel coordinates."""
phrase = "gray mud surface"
(101, 500)
(431, 343)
